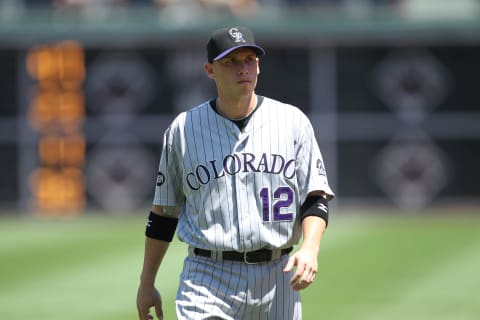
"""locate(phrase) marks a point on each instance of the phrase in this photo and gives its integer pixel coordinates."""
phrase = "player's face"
(236, 73)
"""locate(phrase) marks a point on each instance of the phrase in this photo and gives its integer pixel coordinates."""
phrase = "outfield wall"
(85, 99)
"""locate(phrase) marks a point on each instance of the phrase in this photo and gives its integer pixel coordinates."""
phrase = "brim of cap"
(258, 49)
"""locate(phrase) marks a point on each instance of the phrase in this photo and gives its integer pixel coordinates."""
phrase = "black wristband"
(161, 227)
(315, 206)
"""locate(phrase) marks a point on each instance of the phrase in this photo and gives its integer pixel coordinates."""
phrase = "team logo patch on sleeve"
(160, 179)
(321, 168)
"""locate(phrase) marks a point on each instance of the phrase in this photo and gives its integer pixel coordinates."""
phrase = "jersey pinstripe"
(236, 291)
(240, 189)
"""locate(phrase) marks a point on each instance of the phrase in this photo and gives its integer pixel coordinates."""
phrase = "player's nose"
(243, 66)
(243, 69)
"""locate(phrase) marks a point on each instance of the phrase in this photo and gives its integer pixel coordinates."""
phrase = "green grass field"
(376, 267)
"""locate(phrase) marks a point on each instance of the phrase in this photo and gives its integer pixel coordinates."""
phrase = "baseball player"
(241, 179)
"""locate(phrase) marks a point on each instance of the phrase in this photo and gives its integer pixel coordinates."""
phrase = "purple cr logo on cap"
(236, 35)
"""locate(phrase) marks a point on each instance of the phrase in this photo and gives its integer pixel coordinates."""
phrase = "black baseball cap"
(225, 40)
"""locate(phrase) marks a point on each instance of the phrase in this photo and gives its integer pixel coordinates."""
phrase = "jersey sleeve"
(168, 190)
(312, 175)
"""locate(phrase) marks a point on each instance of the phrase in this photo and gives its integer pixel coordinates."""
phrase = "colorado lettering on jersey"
(233, 164)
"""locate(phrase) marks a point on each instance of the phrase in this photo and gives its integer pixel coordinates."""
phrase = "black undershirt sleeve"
(315, 206)
(160, 227)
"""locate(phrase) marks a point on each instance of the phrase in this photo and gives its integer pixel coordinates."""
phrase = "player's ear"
(208, 67)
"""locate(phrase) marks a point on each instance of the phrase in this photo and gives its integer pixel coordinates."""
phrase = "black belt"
(252, 257)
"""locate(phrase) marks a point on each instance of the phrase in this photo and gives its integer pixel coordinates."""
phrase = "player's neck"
(236, 109)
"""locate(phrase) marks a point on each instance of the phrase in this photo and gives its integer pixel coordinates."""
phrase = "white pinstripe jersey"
(240, 189)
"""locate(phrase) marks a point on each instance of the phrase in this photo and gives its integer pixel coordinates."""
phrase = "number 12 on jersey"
(282, 198)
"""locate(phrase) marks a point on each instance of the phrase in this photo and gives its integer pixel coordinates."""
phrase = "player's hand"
(306, 265)
(147, 298)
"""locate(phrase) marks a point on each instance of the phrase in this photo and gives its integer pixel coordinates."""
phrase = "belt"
(252, 257)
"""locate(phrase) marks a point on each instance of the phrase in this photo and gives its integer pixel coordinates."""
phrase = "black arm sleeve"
(315, 206)
(160, 227)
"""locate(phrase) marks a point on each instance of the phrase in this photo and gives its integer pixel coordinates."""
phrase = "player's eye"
(229, 61)
(250, 60)
(232, 61)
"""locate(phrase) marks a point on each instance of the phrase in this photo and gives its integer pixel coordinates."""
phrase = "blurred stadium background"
(88, 87)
